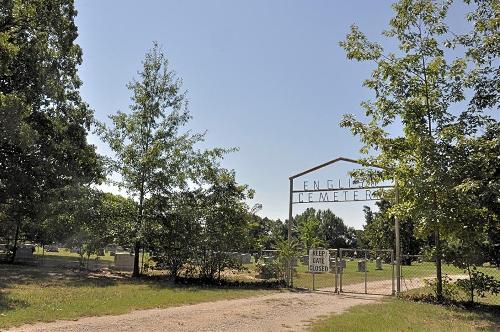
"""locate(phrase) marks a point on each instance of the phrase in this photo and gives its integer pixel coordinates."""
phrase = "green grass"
(400, 315)
(30, 294)
(352, 276)
(64, 252)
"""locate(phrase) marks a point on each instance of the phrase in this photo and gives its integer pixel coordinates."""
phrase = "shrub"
(479, 284)
(450, 289)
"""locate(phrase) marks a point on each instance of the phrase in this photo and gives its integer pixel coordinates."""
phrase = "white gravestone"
(124, 262)
(378, 264)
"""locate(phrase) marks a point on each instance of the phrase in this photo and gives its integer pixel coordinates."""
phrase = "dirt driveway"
(286, 311)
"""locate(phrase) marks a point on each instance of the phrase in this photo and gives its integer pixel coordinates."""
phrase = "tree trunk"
(439, 274)
(16, 238)
(471, 284)
(137, 253)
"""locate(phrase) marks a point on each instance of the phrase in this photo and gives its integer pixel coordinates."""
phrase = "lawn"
(351, 276)
(400, 315)
(54, 291)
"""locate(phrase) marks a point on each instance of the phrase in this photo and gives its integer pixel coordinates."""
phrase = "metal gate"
(366, 271)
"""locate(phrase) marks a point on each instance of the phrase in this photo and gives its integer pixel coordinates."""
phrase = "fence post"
(336, 271)
(392, 265)
(398, 242)
(341, 271)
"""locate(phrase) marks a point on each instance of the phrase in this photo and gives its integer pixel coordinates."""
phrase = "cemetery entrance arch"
(331, 192)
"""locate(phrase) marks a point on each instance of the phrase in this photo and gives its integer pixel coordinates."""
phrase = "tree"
(416, 89)
(44, 121)
(379, 230)
(323, 227)
(333, 231)
(153, 156)
(264, 233)
(174, 231)
(224, 220)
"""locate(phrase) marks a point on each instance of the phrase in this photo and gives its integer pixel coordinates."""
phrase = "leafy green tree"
(225, 221)
(153, 155)
(174, 231)
(309, 233)
(265, 233)
(328, 228)
(416, 89)
(333, 231)
(379, 230)
(43, 120)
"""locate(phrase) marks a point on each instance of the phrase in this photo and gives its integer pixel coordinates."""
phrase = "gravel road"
(285, 311)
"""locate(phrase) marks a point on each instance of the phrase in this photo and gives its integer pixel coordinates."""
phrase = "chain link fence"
(366, 271)
(419, 272)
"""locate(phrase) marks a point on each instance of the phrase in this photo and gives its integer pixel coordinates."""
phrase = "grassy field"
(400, 315)
(55, 291)
(352, 276)
(64, 252)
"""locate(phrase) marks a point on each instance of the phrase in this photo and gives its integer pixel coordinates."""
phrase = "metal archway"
(319, 190)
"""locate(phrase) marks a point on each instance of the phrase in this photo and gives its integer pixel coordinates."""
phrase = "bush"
(479, 284)
(272, 269)
(450, 289)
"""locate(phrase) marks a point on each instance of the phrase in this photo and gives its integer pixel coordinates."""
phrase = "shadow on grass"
(7, 303)
(64, 271)
(60, 271)
(166, 282)
(488, 312)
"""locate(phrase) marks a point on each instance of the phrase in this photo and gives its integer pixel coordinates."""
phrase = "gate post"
(336, 271)
(289, 273)
(341, 272)
(366, 273)
(398, 242)
(392, 265)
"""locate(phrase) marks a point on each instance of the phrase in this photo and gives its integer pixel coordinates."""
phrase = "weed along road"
(282, 311)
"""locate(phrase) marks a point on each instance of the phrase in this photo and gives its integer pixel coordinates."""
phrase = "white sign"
(319, 260)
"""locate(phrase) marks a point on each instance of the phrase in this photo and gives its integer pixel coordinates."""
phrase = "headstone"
(343, 263)
(124, 262)
(268, 259)
(334, 267)
(52, 248)
(361, 266)
(74, 250)
(304, 259)
(406, 261)
(24, 254)
(378, 264)
(100, 252)
(246, 258)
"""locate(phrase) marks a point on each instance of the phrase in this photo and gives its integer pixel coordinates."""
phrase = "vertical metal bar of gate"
(392, 264)
(366, 274)
(336, 272)
(341, 271)
(398, 241)
(289, 271)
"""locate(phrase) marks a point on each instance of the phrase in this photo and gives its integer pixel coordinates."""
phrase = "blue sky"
(265, 76)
